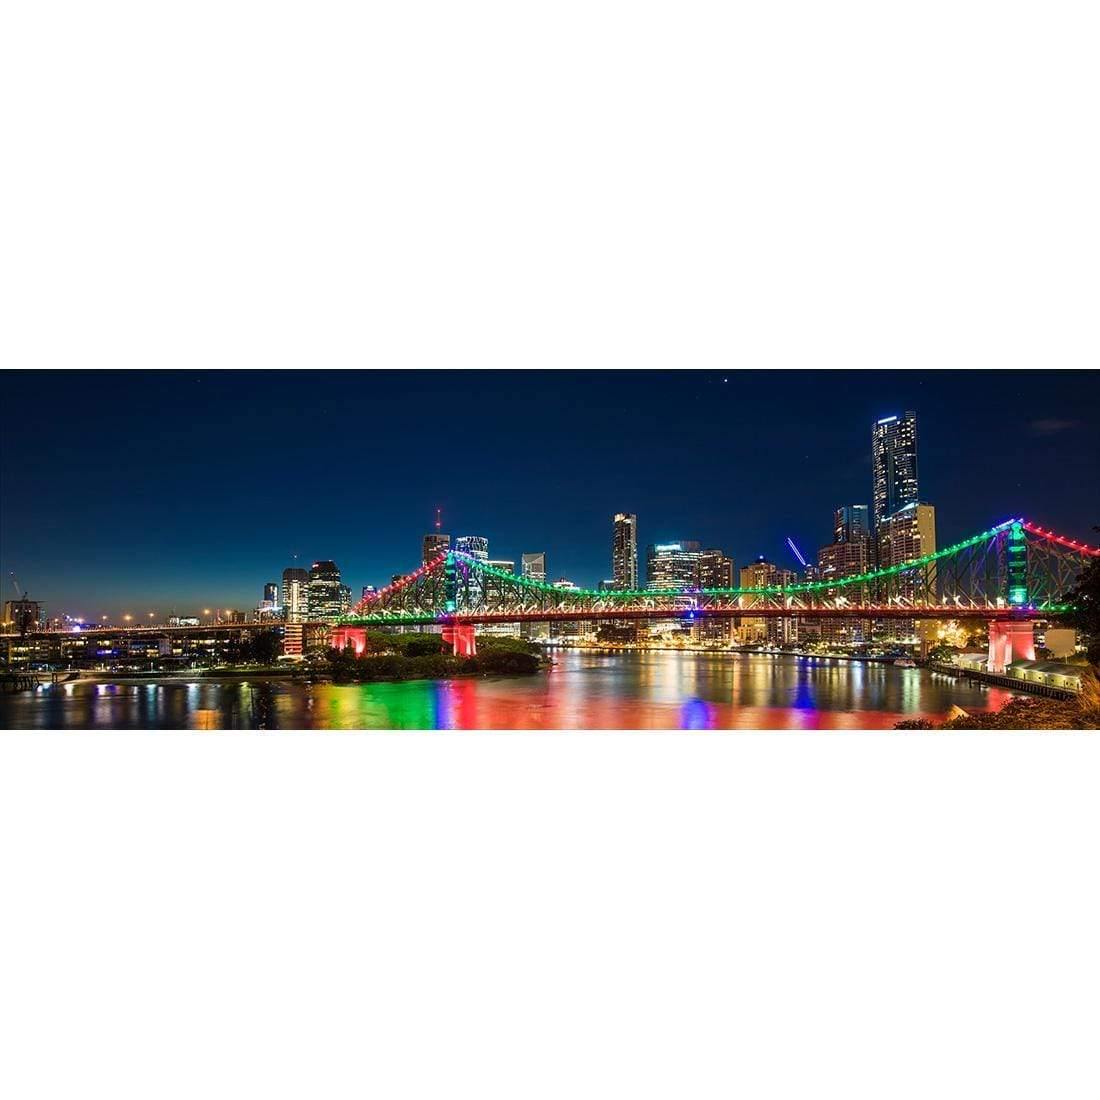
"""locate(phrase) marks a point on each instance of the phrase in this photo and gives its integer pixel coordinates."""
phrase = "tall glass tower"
(894, 464)
(624, 551)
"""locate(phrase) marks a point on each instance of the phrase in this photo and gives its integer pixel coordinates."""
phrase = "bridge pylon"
(1010, 640)
(462, 638)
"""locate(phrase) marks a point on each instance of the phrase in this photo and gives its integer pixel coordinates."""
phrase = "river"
(584, 690)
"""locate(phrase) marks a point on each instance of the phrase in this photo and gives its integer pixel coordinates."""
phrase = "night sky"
(137, 491)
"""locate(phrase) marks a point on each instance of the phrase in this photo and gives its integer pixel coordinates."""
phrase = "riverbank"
(1028, 712)
(735, 651)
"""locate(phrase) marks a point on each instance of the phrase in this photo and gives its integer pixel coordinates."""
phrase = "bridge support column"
(461, 636)
(354, 636)
(1008, 642)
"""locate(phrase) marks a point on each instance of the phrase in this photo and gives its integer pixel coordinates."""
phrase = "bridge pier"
(354, 636)
(462, 638)
(1008, 642)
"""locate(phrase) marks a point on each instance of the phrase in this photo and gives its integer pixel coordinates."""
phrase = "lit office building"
(296, 595)
(534, 566)
(671, 564)
(268, 607)
(328, 598)
(473, 546)
(894, 464)
(502, 566)
(433, 545)
(624, 551)
(851, 523)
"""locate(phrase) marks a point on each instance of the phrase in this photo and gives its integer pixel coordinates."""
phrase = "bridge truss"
(1016, 570)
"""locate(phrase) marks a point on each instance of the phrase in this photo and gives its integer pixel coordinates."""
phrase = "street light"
(151, 617)
(128, 618)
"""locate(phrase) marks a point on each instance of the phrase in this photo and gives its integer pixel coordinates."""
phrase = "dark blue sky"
(134, 491)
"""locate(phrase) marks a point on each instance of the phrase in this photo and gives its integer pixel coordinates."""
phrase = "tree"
(1085, 600)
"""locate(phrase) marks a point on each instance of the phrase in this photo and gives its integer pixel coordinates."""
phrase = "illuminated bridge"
(1011, 575)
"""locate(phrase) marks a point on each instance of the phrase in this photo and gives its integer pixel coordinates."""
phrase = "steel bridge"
(1015, 572)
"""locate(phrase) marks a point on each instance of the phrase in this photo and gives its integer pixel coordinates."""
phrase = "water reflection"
(582, 691)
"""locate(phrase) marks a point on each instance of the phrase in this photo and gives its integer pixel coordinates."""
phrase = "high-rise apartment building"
(894, 464)
(835, 561)
(624, 550)
(534, 565)
(328, 598)
(762, 573)
(908, 533)
(475, 546)
(671, 564)
(296, 595)
(713, 569)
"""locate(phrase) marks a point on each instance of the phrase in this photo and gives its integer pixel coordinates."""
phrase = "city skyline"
(750, 489)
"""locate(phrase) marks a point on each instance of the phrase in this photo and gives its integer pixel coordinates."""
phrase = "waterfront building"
(502, 565)
(534, 565)
(328, 598)
(295, 594)
(713, 569)
(834, 562)
(624, 550)
(762, 573)
(475, 546)
(908, 533)
(894, 465)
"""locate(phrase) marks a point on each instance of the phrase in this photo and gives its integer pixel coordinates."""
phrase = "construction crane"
(22, 613)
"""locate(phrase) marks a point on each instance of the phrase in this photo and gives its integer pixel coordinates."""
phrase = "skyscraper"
(328, 598)
(534, 565)
(435, 542)
(671, 564)
(475, 546)
(271, 593)
(433, 545)
(894, 464)
(908, 533)
(714, 570)
(624, 550)
(765, 574)
(296, 594)
(851, 523)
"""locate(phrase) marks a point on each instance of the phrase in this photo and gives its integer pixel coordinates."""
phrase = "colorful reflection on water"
(689, 691)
